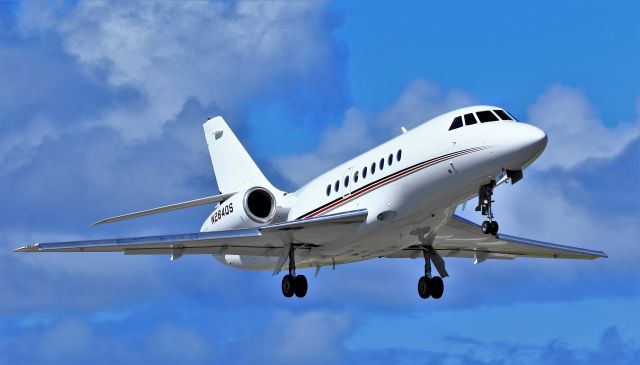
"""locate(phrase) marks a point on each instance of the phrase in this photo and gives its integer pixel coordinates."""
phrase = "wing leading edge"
(263, 241)
(463, 238)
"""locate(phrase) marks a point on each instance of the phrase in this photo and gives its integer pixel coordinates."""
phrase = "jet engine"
(253, 207)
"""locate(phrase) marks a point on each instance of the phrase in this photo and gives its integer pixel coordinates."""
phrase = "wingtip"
(103, 221)
(28, 248)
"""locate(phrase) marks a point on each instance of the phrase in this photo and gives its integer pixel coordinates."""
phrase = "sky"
(101, 107)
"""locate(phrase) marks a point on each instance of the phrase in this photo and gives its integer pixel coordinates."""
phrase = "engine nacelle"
(252, 208)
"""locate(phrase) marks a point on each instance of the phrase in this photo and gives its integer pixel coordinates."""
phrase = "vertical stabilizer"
(234, 168)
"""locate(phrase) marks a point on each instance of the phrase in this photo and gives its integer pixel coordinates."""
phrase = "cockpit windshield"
(486, 116)
(483, 116)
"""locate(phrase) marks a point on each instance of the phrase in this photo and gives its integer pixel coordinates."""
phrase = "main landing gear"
(431, 286)
(484, 207)
(292, 283)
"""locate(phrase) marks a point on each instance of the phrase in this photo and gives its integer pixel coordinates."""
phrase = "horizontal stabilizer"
(167, 208)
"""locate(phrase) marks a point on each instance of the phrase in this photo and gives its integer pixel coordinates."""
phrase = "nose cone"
(532, 141)
(535, 139)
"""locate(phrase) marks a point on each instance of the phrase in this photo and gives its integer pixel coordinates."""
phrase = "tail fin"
(233, 166)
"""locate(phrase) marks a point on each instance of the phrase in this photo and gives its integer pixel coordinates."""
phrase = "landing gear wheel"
(494, 228)
(289, 286)
(437, 287)
(484, 207)
(300, 286)
(486, 227)
(424, 286)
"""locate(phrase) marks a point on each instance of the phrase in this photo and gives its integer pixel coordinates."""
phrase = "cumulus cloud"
(76, 341)
(359, 131)
(337, 142)
(169, 52)
(17, 146)
(576, 132)
(313, 337)
(109, 74)
(309, 337)
(420, 101)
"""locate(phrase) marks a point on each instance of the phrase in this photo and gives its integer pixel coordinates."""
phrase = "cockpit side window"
(511, 116)
(470, 119)
(486, 116)
(503, 115)
(457, 123)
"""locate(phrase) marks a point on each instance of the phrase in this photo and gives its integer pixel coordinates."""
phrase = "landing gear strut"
(484, 207)
(429, 286)
(292, 283)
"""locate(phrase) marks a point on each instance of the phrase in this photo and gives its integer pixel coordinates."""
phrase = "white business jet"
(396, 200)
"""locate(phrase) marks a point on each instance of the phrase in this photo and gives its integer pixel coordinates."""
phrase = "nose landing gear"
(484, 207)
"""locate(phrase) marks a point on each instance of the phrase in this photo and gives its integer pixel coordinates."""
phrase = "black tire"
(424, 287)
(494, 228)
(300, 286)
(288, 286)
(437, 287)
(486, 227)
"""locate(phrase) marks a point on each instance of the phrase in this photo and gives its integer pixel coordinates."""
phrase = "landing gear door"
(347, 183)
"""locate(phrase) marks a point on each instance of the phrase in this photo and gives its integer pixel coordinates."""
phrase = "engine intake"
(260, 205)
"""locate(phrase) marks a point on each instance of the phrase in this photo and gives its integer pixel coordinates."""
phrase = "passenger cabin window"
(399, 155)
(470, 119)
(457, 123)
(502, 114)
(486, 116)
(346, 181)
(337, 186)
(381, 164)
(364, 172)
(390, 159)
(355, 176)
(373, 168)
(328, 189)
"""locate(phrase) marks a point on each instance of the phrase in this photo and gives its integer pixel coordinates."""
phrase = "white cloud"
(576, 133)
(419, 102)
(311, 337)
(168, 52)
(172, 344)
(17, 146)
(354, 136)
(79, 341)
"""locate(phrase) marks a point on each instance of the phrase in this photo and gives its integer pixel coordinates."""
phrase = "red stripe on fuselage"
(388, 179)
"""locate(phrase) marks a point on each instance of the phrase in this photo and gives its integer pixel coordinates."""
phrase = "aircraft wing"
(463, 238)
(263, 241)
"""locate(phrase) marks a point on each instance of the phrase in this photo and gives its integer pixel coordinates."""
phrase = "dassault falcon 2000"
(396, 200)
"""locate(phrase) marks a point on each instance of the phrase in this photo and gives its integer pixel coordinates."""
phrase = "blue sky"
(101, 109)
